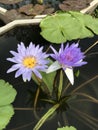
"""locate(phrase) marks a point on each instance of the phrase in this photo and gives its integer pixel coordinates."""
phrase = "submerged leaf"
(61, 27)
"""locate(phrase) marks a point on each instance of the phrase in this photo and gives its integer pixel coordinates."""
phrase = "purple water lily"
(67, 58)
(28, 60)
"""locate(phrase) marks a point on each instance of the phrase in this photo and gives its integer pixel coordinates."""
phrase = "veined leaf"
(6, 112)
(61, 27)
(7, 93)
(7, 96)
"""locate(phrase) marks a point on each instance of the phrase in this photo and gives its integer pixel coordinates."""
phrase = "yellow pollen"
(29, 62)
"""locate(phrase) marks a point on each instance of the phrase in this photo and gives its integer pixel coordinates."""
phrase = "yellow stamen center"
(29, 62)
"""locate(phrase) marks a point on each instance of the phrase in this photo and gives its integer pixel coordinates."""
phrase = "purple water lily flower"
(28, 60)
(67, 58)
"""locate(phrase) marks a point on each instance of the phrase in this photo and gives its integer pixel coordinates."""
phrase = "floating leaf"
(67, 128)
(87, 20)
(7, 93)
(61, 27)
(7, 96)
(6, 112)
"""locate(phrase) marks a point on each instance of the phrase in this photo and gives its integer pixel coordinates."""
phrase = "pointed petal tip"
(70, 75)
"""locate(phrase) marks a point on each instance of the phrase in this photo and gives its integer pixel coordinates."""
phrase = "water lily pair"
(32, 59)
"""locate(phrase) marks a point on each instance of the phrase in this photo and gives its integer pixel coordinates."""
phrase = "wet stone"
(13, 15)
(10, 1)
(26, 9)
(49, 11)
(76, 5)
(32, 10)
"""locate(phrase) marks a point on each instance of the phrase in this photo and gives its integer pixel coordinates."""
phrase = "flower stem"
(36, 97)
(68, 85)
(60, 85)
(46, 116)
(87, 96)
(35, 103)
(65, 119)
(83, 84)
(91, 47)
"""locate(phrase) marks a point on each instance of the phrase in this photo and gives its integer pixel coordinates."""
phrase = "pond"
(25, 119)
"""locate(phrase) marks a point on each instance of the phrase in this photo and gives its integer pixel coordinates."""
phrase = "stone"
(10, 1)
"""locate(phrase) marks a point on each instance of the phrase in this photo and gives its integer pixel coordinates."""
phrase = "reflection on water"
(9, 42)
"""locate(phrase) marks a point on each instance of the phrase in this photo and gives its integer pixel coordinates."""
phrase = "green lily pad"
(6, 112)
(7, 93)
(67, 128)
(87, 20)
(61, 27)
(7, 96)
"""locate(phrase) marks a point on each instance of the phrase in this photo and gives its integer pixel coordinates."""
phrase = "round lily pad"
(6, 112)
(7, 93)
(67, 26)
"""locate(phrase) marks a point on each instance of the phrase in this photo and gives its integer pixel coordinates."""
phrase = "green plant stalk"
(36, 79)
(83, 84)
(91, 47)
(86, 117)
(46, 116)
(60, 85)
(65, 89)
(36, 97)
(87, 96)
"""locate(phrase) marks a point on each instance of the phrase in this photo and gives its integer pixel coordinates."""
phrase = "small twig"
(23, 109)
(23, 126)
(82, 100)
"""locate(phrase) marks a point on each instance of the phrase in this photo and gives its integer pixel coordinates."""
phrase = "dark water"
(9, 42)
